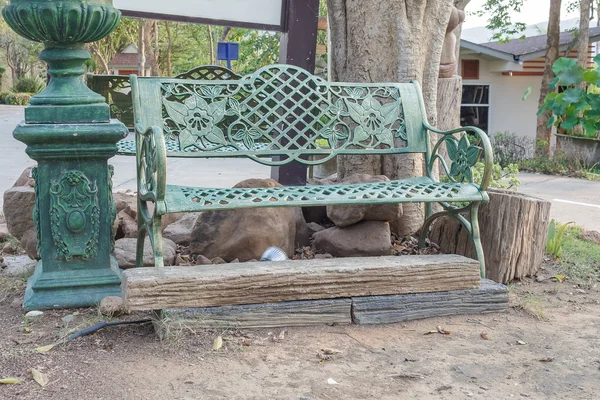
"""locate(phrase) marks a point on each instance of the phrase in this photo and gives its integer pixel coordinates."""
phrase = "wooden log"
(276, 315)
(322, 24)
(514, 228)
(489, 298)
(272, 282)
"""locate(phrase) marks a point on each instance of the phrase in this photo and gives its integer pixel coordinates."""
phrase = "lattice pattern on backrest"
(284, 110)
(209, 73)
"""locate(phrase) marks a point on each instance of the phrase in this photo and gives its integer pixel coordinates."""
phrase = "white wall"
(508, 112)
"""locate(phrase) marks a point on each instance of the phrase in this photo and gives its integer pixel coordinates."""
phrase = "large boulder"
(244, 234)
(367, 238)
(26, 178)
(181, 230)
(29, 243)
(19, 202)
(125, 250)
(348, 215)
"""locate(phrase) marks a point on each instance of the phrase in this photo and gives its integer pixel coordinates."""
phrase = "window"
(475, 106)
(470, 69)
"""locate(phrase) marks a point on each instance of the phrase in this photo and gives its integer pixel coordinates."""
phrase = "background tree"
(583, 39)
(544, 131)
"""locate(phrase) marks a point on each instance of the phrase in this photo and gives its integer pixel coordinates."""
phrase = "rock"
(29, 244)
(125, 250)
(348, 215)
(302, 231)
(181, 230)
(34, 314)
(593, 236)
(125, 200)
(9, 248)
(26, 179)
(313, 227)
(111, 306)
(244, 233)
(18, 207)
(235, 261)
(170, 219)
(367, 238)
(219, 260)
(127, 226)
(18, 266)
(540, 278)
(201, 260)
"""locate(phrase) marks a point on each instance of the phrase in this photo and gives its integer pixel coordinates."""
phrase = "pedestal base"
(71, 289)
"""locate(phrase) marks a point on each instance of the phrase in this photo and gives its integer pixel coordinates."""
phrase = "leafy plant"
(576, 105)
(17, 99)
(29, 85)
(3, 97)
(556, 238)
(502, 178)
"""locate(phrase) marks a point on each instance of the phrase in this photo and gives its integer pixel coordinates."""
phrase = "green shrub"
(502, 178)
(18, 99)
(29, 85)
(509, 148)
(3, 97)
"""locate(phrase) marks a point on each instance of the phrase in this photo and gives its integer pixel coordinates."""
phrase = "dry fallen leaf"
(484, 335)
(218, 343)
(559, 277)
(27, 329)
(332, 382)
(40, 378)
(45, 349)
(442, 331)
(10, 381)
(281, 335)
(546, 359)
(521, 342)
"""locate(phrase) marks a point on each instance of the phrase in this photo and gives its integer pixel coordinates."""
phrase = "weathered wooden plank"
(273, 282)
(277, 315)
(489, 297)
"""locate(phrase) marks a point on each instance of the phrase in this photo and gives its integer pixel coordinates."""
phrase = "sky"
(532, 12)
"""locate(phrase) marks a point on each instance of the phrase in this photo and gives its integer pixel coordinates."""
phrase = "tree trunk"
(142, 48)
(543, 133)
(211, 45)
(389, 41)
(514, 228)
(584, 33)
(169, 49)
(152, 53)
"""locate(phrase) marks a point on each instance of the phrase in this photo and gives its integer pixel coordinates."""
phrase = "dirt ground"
(546, 347)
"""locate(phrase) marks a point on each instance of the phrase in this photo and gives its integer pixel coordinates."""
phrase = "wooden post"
(298, 47)
(514, 228)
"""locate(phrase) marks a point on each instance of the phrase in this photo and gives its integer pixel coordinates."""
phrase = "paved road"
(572, 199)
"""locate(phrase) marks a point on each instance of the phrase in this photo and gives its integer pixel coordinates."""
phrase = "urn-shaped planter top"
(64, 21)
(64, 26)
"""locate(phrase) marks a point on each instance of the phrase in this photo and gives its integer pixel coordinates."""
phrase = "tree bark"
(584, 33)
(211, 45)
(514, 228)
(389, 41)
(169, 49)
(152, 52)
(142, 48)
(543, 133)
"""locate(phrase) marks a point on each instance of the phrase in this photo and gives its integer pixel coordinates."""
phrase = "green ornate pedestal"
(68, 131)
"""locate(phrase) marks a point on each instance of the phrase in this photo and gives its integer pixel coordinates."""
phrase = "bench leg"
(156, 239)
(476, 238)
(429, 218)
(139, 254)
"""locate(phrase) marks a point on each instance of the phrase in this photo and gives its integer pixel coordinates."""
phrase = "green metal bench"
(116, 89)
(281, 114)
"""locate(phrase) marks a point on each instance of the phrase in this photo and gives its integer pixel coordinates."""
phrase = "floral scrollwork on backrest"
(282, 109)
(463, 156)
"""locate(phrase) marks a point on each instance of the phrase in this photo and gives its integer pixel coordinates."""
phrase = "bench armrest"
(151, 157)
(462, 155)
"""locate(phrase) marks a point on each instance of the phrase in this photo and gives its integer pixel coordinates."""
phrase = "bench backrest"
(116, 89)
(281, 110)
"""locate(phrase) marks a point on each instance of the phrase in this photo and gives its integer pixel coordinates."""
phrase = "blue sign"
(228, 51)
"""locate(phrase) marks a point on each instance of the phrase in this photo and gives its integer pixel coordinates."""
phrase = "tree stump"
(514, 228)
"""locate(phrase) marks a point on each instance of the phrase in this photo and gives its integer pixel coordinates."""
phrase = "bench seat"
(422, 189)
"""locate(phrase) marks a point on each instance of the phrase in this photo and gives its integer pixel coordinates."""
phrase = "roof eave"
(542, 53)
(486, 50)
